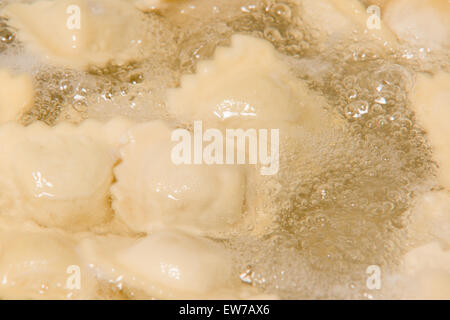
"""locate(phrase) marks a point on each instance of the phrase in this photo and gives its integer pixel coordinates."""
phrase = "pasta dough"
(39, 265)
(430, 99)
(246, 85)
(16, 95)
(166, 265)
(430, 267)
(337, 20)
(420, 22)
(151, 191)
(60, 176)
(77, 33)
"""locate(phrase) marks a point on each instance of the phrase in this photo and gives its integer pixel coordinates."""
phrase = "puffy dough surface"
(35, 264)
(337, 20)
(431, 213)
(429, 266)
(107, 30)
(245, 85)
(151, 191)
(58, 176)
(420, 22)
(430, 100)
(16, 95)
(166, 264)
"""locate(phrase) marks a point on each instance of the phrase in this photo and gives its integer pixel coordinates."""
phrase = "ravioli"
(58, 176)
(166, 264)
(431, 213)
(337, 20)
(430, 101)
(79, 33)
(420, 22)
(245, 85)
(429, 267)
(151, 5)
(41, 265)
(152, 192)
(16, 95)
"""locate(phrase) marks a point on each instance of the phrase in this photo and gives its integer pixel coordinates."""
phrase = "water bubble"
(395, 75)
(6, 36)
(136, 78)
(272, 34)
(356, 109)
(282, 9)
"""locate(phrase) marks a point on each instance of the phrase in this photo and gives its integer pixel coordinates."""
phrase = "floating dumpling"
(164, 265)
(152, 191)
(77, 33)
(58, 176)
(16, 95)
(429, 269)
(420, 22)
(41, 265)
(245, 85)
(150, 5)
(337, 20)
(431, 214)
(430, 101)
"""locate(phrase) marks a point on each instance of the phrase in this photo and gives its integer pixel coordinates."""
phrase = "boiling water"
(332, 222)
